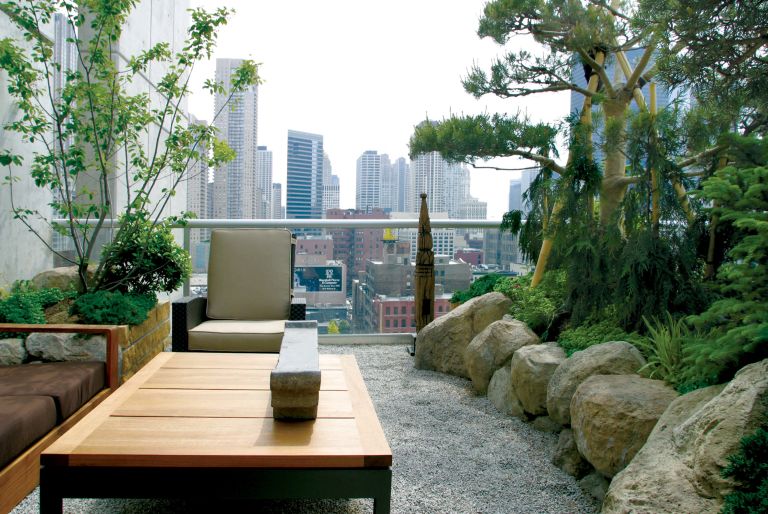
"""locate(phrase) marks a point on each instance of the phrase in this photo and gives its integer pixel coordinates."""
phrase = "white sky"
(363, 73)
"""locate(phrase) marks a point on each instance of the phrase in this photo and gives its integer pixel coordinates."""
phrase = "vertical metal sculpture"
(425, 270)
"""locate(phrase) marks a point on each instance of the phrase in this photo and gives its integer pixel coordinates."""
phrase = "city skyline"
(322, 93)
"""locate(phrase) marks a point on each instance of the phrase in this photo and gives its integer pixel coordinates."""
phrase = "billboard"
(317, 279)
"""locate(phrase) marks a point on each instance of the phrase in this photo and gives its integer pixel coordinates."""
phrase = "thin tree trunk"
(586, 118)
(655, 200)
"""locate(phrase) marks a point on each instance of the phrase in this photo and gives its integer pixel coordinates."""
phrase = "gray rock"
(595, 485)
(64, 278)
(612, 416)
(501, 394)
(66, 347)
(657, 479)
(711, 434)
(12, 352)
(440, 345)
(546, 424)
(493, 347)
(532, 367)
(614, 358)
(568, 458)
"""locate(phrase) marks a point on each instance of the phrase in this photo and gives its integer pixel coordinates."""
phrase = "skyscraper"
(402, 172)
(237, 191)
(330, 186)
(368, 184)
(197, 190)
(515, 195)
(388, 184)
(428, 176)
(277, 200)
(304, 191)
(331, 194)
(264, 180)
(456, 189)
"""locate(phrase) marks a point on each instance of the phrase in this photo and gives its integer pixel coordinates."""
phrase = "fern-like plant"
(663, 347)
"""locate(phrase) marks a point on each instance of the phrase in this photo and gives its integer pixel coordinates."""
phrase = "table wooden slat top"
(213, 410)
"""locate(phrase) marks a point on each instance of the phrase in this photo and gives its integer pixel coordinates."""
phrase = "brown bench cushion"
(70, 384)
(23, 420)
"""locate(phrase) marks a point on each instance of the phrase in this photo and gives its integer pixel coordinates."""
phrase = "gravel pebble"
(452, 452)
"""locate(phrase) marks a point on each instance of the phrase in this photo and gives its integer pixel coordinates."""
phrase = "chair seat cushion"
(70, 384)
(23, 420)
(237, 336)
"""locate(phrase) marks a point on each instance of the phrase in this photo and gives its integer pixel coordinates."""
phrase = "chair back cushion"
(249, 274)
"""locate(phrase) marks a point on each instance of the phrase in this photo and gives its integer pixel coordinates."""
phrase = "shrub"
(749, 467)
(580, 338)
(25, 304)
(535, 307)
(113, 308)
(663, 348)
(479, 287)
(144, 259)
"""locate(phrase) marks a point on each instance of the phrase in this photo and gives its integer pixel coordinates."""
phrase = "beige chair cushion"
(237, 336)
(249, 274)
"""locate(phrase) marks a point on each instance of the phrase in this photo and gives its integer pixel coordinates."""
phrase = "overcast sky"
(363, 73)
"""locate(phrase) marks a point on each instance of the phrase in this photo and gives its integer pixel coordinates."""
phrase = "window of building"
(402, 322)
(439, 308)
(387, 311)
(396, 309)
(386, 323)
(413, 322)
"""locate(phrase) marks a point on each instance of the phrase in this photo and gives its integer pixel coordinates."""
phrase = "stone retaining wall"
(145, 341)
(136, 344)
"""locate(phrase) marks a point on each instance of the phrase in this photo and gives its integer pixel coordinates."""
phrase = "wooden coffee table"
(199, 425)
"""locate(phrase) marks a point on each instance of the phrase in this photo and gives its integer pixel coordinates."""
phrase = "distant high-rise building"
(304, 191)
(515, 195)
(428, 172)
(331, 194)
(197, 190)
(277, 200)
(473, 209)
(237, 192)
(402, 172)
(456, 189)
(368, 185)
(388, 185)
(264, 180)
(330, 186)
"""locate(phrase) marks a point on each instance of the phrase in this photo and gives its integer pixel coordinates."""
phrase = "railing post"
(187, 245)
(425, 270)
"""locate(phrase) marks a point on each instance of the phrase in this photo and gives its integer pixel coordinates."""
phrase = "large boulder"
(493, 347)
(714, 432)
(532, 367)
(678, 469)
(614, 358)
(64, 278)
(12, 352)
(567, 456)
(502, 395)
(612, 416)
(66, 347)
(440, 345)
(657, 479)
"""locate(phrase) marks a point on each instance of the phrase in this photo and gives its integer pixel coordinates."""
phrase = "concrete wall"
(22, 255)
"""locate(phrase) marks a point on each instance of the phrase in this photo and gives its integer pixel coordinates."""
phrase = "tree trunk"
(614, 184)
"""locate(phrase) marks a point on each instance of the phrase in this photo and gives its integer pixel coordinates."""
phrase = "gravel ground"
(452, 452)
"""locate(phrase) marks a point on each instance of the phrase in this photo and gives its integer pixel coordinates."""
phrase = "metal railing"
(293, 224)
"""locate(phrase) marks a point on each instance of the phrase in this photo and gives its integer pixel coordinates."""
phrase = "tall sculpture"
(425, 270)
